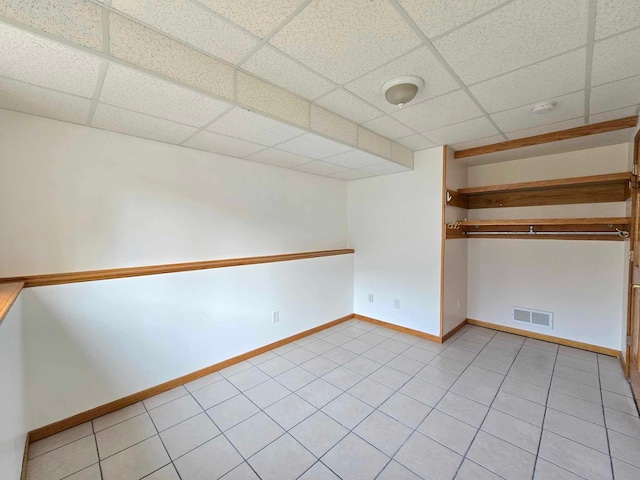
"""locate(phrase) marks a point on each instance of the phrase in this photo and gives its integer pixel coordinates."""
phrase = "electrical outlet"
(396, 303)
(276, 316)
(371, 298)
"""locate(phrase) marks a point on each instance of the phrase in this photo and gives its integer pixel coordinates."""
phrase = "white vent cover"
(537, 318)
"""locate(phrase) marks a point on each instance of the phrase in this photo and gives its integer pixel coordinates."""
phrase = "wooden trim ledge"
(546, 338)
(75, 420)
(8, 294)
(602, 127)
(93, 275)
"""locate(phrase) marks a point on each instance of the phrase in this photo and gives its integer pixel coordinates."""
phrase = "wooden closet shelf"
(609, 228)
(613, 187)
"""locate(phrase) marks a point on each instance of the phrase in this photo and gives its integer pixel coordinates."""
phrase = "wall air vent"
(536, 318)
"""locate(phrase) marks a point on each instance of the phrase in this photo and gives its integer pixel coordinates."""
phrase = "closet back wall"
(581, 282)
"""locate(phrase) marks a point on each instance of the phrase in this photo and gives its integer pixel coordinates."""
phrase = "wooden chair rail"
(93, 275)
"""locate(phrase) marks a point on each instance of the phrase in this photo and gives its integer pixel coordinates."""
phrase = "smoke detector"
(402, 90)
(543, 108)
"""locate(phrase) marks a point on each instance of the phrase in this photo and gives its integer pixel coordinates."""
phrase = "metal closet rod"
(618, 233)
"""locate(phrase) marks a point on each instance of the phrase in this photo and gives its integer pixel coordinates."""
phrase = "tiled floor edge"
(399, 328)
(64, 424)
(547, 338)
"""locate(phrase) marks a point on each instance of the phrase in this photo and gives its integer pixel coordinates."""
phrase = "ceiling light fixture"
(543, 108)
(402, 90)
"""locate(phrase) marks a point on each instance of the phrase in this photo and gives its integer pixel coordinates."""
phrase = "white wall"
(454, 308)
(581, 282)
(75, 198)
(395, 225)
(91, 343)
(13, 421)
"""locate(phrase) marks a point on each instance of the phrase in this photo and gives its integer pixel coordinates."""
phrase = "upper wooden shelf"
(613, 187)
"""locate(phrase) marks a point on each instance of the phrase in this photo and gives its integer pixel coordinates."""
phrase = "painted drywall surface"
(454, 307)
(74, 198)
(13, 421)
(581, 282)
(91, 343)
(395, 225)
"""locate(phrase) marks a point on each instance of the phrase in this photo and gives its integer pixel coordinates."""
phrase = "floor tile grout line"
(604, 419)
(95, 438)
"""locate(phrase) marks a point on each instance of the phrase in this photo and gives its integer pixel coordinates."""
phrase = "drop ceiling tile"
(420, 62)
(616, 58)
(615, 95)
(36, 60)
(343, 40)
(388, 127)
(314, 146)
(567, 107)
(478, 143)
(279, 158)
(191, 23)
(271, 65)
(75, 20)
(259, 18)
(320, 168)
(374, 143)
(552, 127)
(216, 143)
(349, 106)
(139, 45)
(615, 16)
(354, 159)
(614, 114)
(445, 110)
(463, 132)
(401, 154)
(264, 97)
(333, 126)
(350, 175)
(41, 101)
(416, 142)
(518, 34)
(550, 78)
(134, 90)
(133, 123)
(254, 127)
(436, 17)
(384, 168)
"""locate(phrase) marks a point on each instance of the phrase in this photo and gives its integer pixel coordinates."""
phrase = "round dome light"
(543, 108)
(402, 90)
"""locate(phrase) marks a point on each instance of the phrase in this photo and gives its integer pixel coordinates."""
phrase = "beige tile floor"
(362, 402)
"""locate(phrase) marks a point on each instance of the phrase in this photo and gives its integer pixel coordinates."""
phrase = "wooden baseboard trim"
(623, 364)
(454, 330)
(411, 331)
(61, 425)
(25, 457)
(546, 338)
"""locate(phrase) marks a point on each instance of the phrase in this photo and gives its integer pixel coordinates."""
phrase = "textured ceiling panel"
(191, 23)
(134, 123)
(615, 95)
(384, 168)
(567, 107)
(416, 142)
(518, 34)
(615, 16)
(216, 143)
(614, 114)
(43, 102)
(462, 132)
(345, 39)
(616, 58)
(547, 79)
(354, 159)
(128, 88)
(551, 127)
(333, 126)
(258, 16)
(388, 127)
(253, 127)
(420, 62)
(279, 158)
(445, 110)
(435, 17)
(320, 168)
(313, 146)
(277, 68)
(349, 106)
(36, 60)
